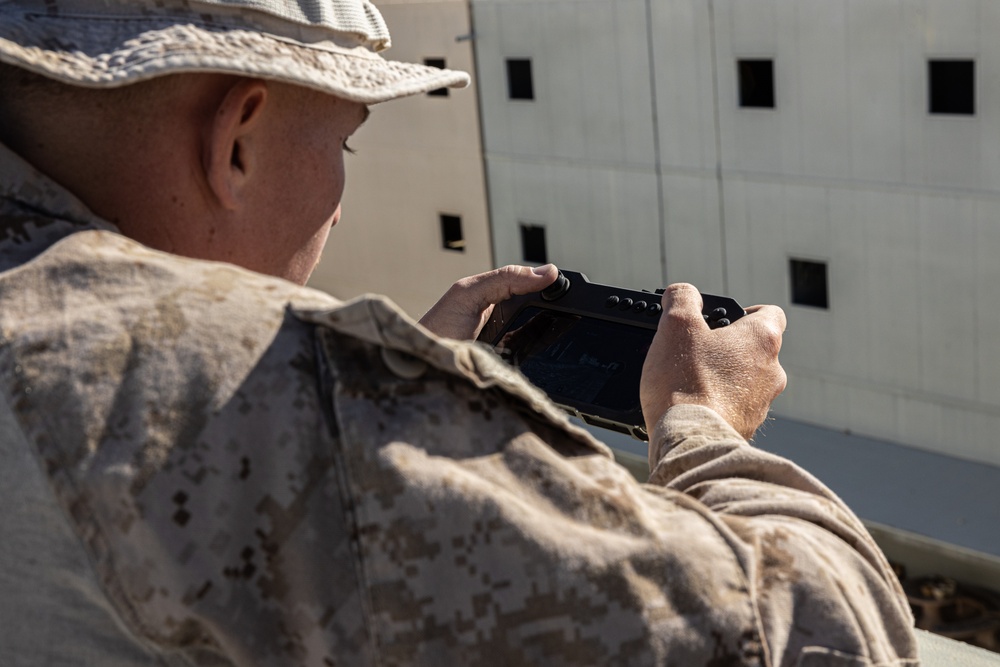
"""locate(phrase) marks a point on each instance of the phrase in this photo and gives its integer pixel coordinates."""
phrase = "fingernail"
(541, 270)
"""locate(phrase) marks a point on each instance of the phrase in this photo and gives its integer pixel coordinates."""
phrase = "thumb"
(682, 301)
(492, 287)
(463, 310)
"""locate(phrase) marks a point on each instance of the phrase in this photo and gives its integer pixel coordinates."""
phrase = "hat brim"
(113, 53)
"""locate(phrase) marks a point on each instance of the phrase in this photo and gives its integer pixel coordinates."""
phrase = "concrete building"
(832, 189)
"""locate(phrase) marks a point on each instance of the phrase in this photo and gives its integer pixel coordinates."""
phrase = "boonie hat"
(328, 45)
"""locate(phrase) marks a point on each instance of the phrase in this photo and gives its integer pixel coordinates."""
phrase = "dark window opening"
(451, 233)
(809, 283)
(533, 244)
(951, 87)
(756, 79)
(439, 63)
(519, 85)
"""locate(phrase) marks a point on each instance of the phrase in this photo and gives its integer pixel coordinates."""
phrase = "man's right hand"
(465, 308)
(734, 369)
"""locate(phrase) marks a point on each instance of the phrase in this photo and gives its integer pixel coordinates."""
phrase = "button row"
(627, 303)
(717, 318)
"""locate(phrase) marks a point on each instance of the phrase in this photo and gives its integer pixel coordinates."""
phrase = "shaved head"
(210, 166)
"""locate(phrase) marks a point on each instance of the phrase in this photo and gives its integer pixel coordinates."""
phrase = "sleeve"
(823, 590)
(488, 533)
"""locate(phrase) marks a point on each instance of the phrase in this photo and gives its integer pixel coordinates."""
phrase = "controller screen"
(578, 359)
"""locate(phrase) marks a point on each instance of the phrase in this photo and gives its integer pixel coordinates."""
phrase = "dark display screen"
(578, 360)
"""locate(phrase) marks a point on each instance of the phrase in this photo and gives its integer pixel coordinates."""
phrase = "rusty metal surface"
(947, 608)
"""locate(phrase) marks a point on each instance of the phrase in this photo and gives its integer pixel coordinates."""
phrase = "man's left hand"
(467, 305)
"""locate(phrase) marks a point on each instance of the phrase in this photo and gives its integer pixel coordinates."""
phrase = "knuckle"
(680, 288)
(471, 282)
(682, 302)
(770, 347)
(509, 271)
(462, 284)
(767, 335)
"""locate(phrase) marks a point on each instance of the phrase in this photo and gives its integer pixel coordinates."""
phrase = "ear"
(229, 158)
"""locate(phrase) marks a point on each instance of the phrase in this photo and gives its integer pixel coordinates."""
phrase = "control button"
(625, 304)
(611, 301)
(639, 306)
(718, 312)
(556, 289)
(654, 308)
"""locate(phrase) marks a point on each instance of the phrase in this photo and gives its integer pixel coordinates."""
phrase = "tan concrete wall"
(416, 158)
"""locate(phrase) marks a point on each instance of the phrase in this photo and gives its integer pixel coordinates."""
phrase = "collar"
(36, 212)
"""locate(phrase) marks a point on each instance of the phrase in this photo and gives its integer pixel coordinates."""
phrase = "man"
(205, 463)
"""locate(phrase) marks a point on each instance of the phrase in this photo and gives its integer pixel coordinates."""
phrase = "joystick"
(556, 289)
(584, 344)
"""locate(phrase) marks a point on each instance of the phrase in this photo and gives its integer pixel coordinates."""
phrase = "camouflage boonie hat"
(328, 45)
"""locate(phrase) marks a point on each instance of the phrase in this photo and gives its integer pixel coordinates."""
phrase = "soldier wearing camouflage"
(202, 465)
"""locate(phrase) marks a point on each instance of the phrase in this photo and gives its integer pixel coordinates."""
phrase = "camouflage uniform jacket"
(205, 466)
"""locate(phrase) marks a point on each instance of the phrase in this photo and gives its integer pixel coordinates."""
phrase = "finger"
(500, 284)
(772, 315)
(766, 325)
(683, 301)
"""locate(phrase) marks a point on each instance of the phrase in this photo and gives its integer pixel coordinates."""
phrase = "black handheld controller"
(584, 344)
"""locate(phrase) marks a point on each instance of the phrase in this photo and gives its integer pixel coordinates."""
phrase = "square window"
(951, 87)
(533, 244)
(451, 233)
(809, 283)
(756, 80)
(519, 85)
(439, 63)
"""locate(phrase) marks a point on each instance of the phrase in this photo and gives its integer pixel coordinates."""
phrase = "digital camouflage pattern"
(257, 474)
(329, 45)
